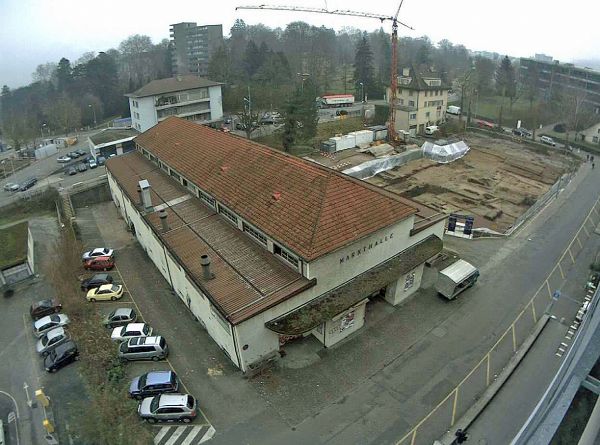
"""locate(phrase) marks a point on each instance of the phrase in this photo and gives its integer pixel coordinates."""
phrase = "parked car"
(548, 140)
(44, 324)
(88, 158)
(431, 129)
(101, 160)
(526, 133)
(50, 340)
(144, 348)
(28, 183)
(71, 171)
(42, 308)
(99, 263)
(168, 407)
(582, 311)
(61, 356)
(485, 124)
(63, 159)
(81, 152)
(73, 154)
(105, 292)
(120, 317)
(82, 167)
(153, 383)
(96, 281)
(92, 163)
(97, 252)
(517, 132)
(131, 330)
(11, 187)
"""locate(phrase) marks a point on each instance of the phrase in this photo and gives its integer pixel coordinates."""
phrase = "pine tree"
(363, 68)
(505, 78)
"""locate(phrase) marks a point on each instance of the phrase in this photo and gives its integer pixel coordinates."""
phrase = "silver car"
(51, 340)
(168, 407)
(131, 330)
(49, 322)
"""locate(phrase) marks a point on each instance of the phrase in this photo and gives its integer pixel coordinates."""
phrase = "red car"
(485, 124)
(42, 308)
(99, 263)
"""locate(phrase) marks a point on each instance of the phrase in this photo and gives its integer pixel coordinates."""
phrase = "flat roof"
(247, 278)
(112, 135)
(310, 209)
(13, 240)
(173, 84)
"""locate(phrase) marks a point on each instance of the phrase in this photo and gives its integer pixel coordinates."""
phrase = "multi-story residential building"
(570, 79)
(422, 99)
(193, 45)
(190, 97)
(263, 247)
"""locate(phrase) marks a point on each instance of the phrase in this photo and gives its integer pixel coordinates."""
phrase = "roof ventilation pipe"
(164, 224)
(146, 197)
(205, 263)
(139, 192)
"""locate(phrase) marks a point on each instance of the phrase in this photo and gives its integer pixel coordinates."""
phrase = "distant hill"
(589, 63)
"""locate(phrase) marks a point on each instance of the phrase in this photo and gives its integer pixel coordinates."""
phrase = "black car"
(61, 356)
(27, 184)
(73, 154)
(81, 152)
(82, 167)
(96, 281)
(71, 171)
(101, 160)
(42, 308)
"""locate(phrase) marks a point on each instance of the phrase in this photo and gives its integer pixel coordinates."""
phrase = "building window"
(401, 101)
(278, 250)
(413, 116)
(411, 103)
(174, 174)
(410, 93)
(257, 235)
(184, 182)
(207, 199)
(595, 139)
(427, 114)
(228, 214)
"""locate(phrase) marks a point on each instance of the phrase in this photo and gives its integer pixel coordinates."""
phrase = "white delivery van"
(456, 278)
(431, 129)
(452, 109)
(548, 140)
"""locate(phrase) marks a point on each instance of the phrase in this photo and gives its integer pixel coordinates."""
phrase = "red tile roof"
(309, 209)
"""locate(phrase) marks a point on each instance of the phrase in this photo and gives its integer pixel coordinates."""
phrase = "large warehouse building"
(264, 247)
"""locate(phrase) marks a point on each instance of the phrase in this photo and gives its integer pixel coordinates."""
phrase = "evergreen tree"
(252, 60)
(64, 74)
(363, 68)
(300, 116)
(219, 68)
(505, 78)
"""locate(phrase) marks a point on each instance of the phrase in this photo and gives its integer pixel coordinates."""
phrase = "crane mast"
(392, 135)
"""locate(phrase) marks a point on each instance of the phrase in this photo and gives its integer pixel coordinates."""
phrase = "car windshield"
(112, 315)
(114, 288)
(190, 402)
(146, 329)
(154, 404)
(142, 381)
(44, 340)
(123, 347)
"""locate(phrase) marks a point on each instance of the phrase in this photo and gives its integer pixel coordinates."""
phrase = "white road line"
(163, 431)
(188, 440)
(558, 355)
(178, 432)
(208, 435)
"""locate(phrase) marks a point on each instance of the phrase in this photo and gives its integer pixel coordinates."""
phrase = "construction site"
(496, 181)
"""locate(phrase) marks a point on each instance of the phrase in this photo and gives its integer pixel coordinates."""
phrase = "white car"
(11, 187)
(63, 159)
(131, 330)
(49, 322)
(93, 163)
(51, 340)
(96, 252)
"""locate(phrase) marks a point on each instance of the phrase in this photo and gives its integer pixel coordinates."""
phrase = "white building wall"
(330, 272)
(30, 251)
(216, 102)
(218, 328)
(144, 115)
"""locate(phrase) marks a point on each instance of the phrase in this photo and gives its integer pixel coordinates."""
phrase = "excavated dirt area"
(496, 181)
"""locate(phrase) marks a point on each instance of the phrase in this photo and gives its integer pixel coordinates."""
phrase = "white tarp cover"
(445, 153)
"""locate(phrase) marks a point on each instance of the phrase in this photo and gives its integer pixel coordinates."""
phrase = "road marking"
(561, 271)
(454, 406)
(572, 259)
(580, 245)
(586, 231)
(208, 435)
(558, 355)
(192, 435)
(178, 432)
(549, 290)
(163, 431)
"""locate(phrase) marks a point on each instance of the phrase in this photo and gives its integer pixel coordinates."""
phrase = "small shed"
(16, 255)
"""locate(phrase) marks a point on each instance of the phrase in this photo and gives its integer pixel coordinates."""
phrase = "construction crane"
(392, 135)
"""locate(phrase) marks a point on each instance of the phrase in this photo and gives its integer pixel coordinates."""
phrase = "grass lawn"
(489, 107)
(13, 240)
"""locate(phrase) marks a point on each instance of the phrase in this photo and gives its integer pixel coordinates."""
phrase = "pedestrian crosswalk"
(184, 435)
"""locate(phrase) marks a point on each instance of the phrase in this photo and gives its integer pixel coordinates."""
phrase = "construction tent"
(444, 153)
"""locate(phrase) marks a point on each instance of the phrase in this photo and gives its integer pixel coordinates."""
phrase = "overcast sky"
(38, 31)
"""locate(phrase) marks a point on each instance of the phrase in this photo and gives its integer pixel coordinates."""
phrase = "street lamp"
(42, 130)
(362, 92)
(303, 76)
(94, 111)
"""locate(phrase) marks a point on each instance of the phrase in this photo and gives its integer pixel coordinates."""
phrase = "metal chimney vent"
(205, 263)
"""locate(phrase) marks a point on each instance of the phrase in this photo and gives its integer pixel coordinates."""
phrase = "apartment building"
(193, 46)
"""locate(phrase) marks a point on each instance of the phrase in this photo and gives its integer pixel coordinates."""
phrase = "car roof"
(157, 377)
(56, 332)
(172, 400)
(65, 347)
(106, 286)
(123, 311)
(42, 321)
(138, 341)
